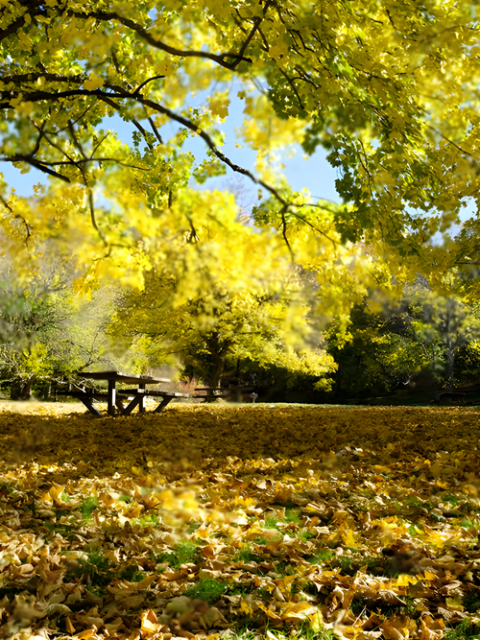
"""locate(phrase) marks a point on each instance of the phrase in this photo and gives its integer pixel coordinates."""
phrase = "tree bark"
(450, 364)
(217, 371)
(436, 392)
(21, 390)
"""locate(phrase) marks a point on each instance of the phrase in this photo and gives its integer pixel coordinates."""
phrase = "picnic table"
(117, 397)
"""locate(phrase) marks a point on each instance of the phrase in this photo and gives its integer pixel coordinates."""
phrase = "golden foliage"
(208, 518)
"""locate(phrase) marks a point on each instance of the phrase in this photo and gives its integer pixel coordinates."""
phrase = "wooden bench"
(210, 394)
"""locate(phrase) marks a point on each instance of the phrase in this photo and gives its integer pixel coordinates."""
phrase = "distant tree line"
(421, 345)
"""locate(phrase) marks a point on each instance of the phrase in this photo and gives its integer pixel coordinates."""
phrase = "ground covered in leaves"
(253, 521)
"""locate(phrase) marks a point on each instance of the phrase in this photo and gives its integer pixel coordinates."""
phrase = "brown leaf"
(131, 602)
(212, 618)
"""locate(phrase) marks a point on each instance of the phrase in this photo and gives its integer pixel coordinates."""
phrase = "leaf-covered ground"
(255, 521)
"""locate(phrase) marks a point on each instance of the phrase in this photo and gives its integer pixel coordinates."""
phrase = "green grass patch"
(183, 553)
(462, 631)
(88, 507)
(209, 590)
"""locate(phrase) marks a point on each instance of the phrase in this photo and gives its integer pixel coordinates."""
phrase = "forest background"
(132, 251)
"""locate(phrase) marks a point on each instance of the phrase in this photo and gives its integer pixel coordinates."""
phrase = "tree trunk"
(218, 351)
(217, 371)
(21, 390)
(436, 392)
(450, 365)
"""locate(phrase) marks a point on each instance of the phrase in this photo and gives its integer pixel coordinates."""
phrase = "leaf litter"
(257, 522)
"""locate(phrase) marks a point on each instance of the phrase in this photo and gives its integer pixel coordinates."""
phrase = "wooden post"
(141, 404)
(163, 404)
(88, 403)
(112, 397)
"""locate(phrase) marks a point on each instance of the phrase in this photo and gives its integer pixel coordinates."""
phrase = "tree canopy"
(389, 88)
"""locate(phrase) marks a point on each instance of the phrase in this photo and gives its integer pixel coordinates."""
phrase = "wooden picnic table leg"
(163, 404)
(112, 397)
(93, 410)
(120, 405)
(141, 404)
(128, 409)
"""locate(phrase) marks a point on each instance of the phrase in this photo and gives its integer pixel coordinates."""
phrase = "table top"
(118, 376)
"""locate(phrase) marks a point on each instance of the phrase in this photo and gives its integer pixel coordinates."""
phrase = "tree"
(441, 325)
(47, 335)
(260, 320)
(375, 83)
(377, 356)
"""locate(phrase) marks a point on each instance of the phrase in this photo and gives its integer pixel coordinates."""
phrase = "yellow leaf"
(246, 608)
(149, 624)
(454, 604)
(405, 579)
(349, 539)
(93, 82)
(56, 492)
(271, 614)
(69, 626)
(428, 575)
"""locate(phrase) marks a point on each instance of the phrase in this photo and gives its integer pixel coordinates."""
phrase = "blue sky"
(315, 173)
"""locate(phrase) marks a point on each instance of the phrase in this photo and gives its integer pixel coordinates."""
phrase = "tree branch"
(284, 233)
(137, 90)
(17, 215)
(91, 205)
(155, 130)
(15, 26)
(158, 44)
(35, 163)
(257, 22)
(59, 163)
(117, 92)
(142, 131)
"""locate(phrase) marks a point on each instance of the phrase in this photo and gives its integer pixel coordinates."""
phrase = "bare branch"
(75, 140)
(99, 143)
(284, 233)
(53, 144)
(257, 21)
(138, 89)
(142, 131)
(92, 215)
(466, 153)
(35, 163)
(293, 87)
(86, 160)
(155, 130)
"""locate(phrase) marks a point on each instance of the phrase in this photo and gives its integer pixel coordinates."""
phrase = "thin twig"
(138, 89)
(284, 234)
